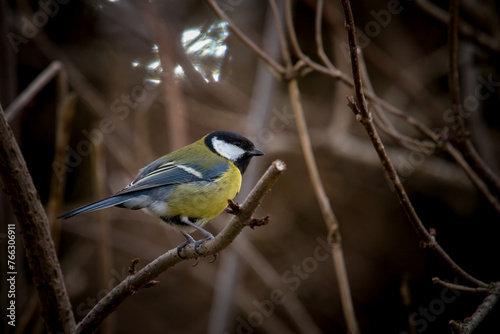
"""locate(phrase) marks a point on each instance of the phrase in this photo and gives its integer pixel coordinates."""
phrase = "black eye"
(238, 143)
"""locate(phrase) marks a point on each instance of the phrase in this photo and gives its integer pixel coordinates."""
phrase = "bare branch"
(34, 225)
(241, 35)
(462, 139)
(133, 283)
(65, 112)
(437, 280)
(281, 34)
(365, 118)
(319, 37)
(470, 323)
(332, 225)
(53, 70)
(333, 232)
(458, 127)
(465, 29)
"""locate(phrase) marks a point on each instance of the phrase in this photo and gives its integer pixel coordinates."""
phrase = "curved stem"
(241, 35)
(133, 283)
(363, 115)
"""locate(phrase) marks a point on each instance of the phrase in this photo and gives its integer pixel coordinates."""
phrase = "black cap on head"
(232, 146)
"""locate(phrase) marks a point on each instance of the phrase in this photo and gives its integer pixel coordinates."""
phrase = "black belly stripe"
(177, 220)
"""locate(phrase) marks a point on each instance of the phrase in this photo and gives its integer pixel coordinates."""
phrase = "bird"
(186, 188)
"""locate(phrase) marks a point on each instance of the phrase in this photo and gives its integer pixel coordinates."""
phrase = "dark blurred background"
(152, 76)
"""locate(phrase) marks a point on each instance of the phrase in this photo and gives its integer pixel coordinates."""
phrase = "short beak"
(256, 152)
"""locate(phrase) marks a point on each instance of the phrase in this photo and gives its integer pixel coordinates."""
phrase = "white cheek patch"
(228, 151)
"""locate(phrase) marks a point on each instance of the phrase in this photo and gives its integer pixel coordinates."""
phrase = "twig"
(319, 39)
(458, 125)
(332, 225)
(224, 296)
(54, 69)
(282, 39)
(134, 282)
(405, 80)
(464, 143)
(473, 176)
(296, 310)
(331, 222)
(383, 121)
(65, 104)
(34, 226)
(480, 166)
(227, 278)
(65, 113)
(241, 35)
(365, 118)
(173, 97)
(105, 256)
(462, 139)
(470, 323)
(465, 29)
(453, 286)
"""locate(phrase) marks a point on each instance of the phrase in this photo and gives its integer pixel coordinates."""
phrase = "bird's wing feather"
(169, 173)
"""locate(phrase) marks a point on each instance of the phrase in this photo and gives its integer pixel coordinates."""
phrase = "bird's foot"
(189, 240)
(199, 242)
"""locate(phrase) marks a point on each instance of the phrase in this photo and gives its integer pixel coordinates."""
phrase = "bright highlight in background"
(205, 48)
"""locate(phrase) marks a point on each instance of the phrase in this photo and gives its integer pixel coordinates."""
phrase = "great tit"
(188, 187)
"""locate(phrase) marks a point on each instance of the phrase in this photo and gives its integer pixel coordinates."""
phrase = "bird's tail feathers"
(102, 204)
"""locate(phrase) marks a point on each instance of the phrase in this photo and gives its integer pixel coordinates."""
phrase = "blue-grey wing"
(170, 173)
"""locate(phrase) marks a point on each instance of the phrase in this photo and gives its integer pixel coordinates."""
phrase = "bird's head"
(232, 146)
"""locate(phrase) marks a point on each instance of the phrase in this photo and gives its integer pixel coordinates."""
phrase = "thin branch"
(464, 143)
(133, 283)
(319, 38)
(473, 176)
(453, 286)
(462, 139)
(420, 126)
(164, 35)
(241, 35)
(342, 77)
(480, 166)
(331, 222)
(332, 71)
(65, 113)
(383, 121)
(105, 254)
(50, 72)
(34, 226)
(458, 125)
(465, 29)
(224, 296)
(365, 118)
(470, 323)
(332, 225)
(294, 307)
(284, 48)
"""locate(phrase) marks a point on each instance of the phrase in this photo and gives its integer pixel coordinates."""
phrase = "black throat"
(231, 137)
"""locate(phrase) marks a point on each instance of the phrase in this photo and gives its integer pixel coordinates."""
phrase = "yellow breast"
(205, 200)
